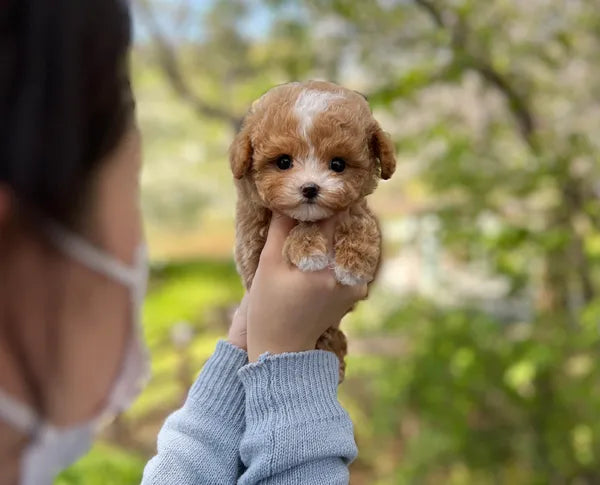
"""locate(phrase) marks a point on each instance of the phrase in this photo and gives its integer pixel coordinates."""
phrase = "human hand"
(237, 330)
(287, 309)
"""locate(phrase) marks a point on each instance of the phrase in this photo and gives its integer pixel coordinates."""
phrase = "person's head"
(69, 159)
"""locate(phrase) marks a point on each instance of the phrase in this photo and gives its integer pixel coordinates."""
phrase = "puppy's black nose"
(310, 191)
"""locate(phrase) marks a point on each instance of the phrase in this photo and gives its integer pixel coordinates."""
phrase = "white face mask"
(52, 449)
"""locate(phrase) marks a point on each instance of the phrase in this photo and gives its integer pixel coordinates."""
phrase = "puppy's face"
(311, 150)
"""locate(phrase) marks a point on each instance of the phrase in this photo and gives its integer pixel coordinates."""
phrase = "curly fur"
(312, 123)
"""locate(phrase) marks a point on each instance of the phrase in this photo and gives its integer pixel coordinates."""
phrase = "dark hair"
(65, 97)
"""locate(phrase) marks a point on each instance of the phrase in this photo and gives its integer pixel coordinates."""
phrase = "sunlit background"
(476, 359)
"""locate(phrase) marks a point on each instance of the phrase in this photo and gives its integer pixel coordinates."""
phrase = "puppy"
(311, 150)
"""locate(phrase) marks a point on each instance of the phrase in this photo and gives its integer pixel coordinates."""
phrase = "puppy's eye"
(284, 162)
(338, 165)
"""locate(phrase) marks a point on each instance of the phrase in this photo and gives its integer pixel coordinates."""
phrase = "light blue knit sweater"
(276, 421)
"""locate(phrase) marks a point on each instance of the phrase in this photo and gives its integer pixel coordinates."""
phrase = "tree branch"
(433, 12)
(170, 66)
(517, 102)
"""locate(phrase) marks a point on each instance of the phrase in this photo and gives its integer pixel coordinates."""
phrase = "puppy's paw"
(306, 248)
(356, 252)
(348, 278)
(353, 267)
(314, 262)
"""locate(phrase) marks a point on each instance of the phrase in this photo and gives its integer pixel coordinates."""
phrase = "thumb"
(279, 230)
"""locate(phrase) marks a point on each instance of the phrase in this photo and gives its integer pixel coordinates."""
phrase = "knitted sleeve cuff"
(218, 387)
(291, 389)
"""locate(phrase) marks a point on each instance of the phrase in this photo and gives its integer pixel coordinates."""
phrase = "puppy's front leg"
(357, 244)
(306, 247)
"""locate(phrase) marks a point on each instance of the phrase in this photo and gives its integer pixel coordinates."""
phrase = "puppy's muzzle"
(310, 191)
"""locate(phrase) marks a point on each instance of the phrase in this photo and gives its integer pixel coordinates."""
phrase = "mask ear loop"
(88, 255)
(18, 415)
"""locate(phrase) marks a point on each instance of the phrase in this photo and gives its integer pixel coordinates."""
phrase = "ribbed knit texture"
(296, 430)
(199, 443)
(280, 415)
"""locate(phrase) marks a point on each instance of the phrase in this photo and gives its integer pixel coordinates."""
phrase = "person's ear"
(240, 153)
(383, 149)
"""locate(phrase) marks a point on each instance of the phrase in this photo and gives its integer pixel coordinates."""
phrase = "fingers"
(243, 308)
(327, 282)
(356, 293)
(361, 292)
(237, 330)
(240, 315)
(279, 229)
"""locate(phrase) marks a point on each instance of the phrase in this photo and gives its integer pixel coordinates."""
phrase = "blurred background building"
(475, 361)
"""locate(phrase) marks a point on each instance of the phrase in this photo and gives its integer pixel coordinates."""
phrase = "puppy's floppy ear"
(383, 148)
(240, 153)
(362, 95)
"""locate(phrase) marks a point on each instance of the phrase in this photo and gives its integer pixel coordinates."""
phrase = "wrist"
(277, 383)
(256, 349)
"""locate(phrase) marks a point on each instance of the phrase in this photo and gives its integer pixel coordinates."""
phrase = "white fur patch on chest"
(310, 104)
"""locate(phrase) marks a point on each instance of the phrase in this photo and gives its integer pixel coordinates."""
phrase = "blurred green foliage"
(491, 403)
(105, 465)
(478, 367)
